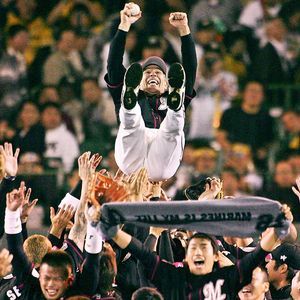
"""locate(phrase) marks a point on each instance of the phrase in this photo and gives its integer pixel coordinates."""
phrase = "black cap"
(287, 254)
(157, 61)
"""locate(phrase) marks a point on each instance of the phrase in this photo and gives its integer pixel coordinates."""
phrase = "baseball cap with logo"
(156, 61)
(288, 254)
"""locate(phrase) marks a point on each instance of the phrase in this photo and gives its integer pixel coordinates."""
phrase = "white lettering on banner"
(212, 292)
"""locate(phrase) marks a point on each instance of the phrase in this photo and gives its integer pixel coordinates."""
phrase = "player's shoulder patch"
(178, 264)
(35, 273)
(64, 246)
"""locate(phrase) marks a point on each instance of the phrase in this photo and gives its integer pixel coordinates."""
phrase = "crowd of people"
(179, 101)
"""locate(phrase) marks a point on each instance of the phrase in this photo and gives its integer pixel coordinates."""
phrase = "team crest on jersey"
(163, 103)
(214, 292)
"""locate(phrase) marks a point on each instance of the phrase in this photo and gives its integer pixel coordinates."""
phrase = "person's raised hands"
(87, 165)
(27, 206)
(10, 159)
(212, 189)
(126, 18)
(5, 263)
(180, 21)
(61, 219)
(155, 190)
(14, 199)
(137, 184)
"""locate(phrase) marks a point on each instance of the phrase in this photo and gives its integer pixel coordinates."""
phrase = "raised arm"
(115, 68)
(87, 167)
(270, 239)
(5, 263)
(188, 51)
(8, 172)
(59, 222)
(13, 230)
(10, 160)
(89, 278)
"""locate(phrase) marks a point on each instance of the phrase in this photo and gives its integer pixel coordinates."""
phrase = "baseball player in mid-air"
(150, 102)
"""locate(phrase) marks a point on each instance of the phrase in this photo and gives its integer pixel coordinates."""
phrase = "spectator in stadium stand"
(290, 140)
(30, 135)
(61, 144)
(13, 71)
(272, 64)
(248, 123)
(280, 187)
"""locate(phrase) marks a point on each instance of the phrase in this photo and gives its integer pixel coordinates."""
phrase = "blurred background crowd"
(243, 124)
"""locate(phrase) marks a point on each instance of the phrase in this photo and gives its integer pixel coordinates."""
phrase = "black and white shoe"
(132, 79)
(176, 79)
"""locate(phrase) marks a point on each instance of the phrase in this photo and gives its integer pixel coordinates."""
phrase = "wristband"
(12, 222)
(10, 178)
(93, 241)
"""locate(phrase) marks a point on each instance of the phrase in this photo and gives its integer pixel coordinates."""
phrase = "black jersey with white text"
(177, 283)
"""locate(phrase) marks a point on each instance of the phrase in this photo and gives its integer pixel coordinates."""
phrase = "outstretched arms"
(87, 167)
(189, 58)
(115, 68)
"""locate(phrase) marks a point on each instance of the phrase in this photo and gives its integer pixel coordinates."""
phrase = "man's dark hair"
(13, 30)
(80, 7)
(107, 274)
(90, 78)
(147, 293)
(232, 171)
(201, 235)
(32, 102)
(58, 33)
(52, 105)
(294, 111)
(246, 84)
(58, 259)
(290, 271)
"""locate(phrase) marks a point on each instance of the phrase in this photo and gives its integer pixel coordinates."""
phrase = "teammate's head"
(282, 263)
(201, 254)
(55, 274)
(147, 293)
(295, 292)
(258, 286)
(78, 298)
(154, 79)
(36, 247)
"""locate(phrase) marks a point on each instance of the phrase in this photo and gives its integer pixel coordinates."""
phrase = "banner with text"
(240, 217)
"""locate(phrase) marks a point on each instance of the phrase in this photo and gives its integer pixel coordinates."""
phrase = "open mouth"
(199, 262)
(51, 292)
(153, 82)
(246, 291)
